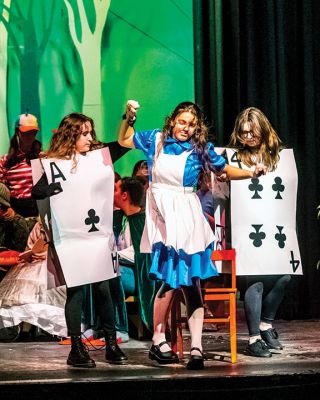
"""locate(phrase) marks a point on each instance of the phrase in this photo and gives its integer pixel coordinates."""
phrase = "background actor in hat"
(15, 168)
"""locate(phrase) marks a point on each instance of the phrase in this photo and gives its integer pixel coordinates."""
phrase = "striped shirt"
(17, 178)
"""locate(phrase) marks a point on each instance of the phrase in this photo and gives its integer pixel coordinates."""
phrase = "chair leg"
(173, 327)
(176, 326)
(179, 340)
(233, 328)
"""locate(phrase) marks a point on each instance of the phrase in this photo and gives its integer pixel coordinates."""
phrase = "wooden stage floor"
(34, 370)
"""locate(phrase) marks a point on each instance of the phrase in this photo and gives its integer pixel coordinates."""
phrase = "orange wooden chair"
(226, 294)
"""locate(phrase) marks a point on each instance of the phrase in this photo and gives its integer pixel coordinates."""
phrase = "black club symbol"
(278, 187)
(92, 220)
(255, 187)
(280, 237)
(257, 236)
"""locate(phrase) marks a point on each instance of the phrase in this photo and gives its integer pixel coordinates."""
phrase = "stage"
(35, 370)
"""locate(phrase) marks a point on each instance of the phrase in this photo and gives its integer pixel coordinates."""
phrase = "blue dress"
(176, 231)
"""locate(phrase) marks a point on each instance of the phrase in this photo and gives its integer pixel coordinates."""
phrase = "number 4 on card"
(295, 263)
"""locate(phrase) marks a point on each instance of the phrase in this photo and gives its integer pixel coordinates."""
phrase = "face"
(27, 138)
(143, 170)
(249, 137)
(184, 126)
(84, 140)
(117, 200)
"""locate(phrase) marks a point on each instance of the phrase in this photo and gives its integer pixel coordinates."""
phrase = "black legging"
(261, 304)
(192, 295)
(103, 305)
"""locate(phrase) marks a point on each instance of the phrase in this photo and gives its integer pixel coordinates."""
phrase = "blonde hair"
(260, 125)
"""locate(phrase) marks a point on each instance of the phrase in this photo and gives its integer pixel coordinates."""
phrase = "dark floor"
(38, 369)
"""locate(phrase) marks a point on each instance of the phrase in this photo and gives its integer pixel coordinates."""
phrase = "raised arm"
(126, 131)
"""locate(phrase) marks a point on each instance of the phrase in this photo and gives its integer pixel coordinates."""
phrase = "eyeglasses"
(245, 134)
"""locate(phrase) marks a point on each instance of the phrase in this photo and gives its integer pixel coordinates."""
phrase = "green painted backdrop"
(59, 56)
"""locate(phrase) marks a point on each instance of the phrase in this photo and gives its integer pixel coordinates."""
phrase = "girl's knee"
(256, 287)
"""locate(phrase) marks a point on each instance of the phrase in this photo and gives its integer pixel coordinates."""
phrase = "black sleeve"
(42, 189)
(116, 151)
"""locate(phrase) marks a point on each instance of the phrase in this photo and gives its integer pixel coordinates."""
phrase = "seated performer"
(127, 196)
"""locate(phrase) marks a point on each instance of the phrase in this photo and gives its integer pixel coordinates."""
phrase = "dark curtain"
(265, 53)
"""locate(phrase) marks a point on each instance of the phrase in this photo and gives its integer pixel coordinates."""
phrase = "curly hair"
(199, 139)
(63, 142)
(270, 142)
(14, 149)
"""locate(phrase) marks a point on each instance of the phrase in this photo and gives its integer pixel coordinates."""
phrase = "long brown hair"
(199, 139)
(270, 142)
(63, 142)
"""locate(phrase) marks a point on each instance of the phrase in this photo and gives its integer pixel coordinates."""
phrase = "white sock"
(253, 339)
(159, 337)
(161, 309)
(264, 326)
(195, 323)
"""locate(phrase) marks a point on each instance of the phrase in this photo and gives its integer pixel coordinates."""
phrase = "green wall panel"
(91, 56)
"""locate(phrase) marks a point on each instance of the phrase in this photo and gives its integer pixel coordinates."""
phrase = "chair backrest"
(227, 255)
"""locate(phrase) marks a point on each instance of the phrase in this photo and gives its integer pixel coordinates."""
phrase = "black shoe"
(79, 356)
(114, 355)
(196, 362)
(270, 336)
(166, 357)
(258, 349)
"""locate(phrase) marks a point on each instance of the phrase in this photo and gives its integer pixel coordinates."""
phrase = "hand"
(260, 169)
(53, 189)
(222, 177)
(26, 256)
(131, 110)
(39, 256)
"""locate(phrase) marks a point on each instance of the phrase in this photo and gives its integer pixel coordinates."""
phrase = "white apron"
(173, 212)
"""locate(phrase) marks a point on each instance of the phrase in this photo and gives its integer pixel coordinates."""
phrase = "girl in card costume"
(255, 139)
(74, 138)
(176, 231)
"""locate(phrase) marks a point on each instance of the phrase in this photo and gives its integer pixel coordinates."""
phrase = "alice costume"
(176, 231)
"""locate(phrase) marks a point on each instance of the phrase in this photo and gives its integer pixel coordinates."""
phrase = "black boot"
(114, 354)
(79, 356)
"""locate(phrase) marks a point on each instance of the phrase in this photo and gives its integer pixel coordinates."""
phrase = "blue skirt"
(178, 269)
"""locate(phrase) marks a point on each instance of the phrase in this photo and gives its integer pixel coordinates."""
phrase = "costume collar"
(186, 145)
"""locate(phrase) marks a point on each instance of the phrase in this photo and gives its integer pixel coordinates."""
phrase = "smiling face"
(184, 126)
(83, 142)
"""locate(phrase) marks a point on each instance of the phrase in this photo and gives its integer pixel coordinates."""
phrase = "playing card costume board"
(263, 219)
(81, 217)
